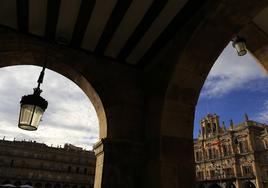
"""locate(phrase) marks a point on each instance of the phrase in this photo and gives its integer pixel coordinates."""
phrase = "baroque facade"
(36, 164)
(234, 157)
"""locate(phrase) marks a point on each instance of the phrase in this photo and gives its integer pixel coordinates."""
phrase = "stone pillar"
(171, 163)
(238, 183)
(237, 173)
(119, 164)
(255, 165)
(257, 173)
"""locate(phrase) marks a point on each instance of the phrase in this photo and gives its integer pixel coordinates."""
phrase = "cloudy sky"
(235, 86)
(69, 118)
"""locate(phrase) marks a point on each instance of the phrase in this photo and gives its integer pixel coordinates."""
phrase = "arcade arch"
(168, 91)
(29, 58)
(191, 55)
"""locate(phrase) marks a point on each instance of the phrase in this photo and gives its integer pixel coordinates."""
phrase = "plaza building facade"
(41, 166)
(234, 157)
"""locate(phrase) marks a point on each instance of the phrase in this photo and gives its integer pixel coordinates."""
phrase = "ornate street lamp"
(32, 107)
(239, 44)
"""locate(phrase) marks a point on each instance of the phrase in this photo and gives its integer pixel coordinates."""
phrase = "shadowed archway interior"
(147, 66)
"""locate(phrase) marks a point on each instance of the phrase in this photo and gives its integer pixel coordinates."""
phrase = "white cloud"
(231, 72)
(262, 115)
(70, 117)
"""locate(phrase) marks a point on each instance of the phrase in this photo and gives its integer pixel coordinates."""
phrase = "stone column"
(239, 183)
(237, 173)
(255, 165)
(171, 163)
(119, 163)
(257, 173)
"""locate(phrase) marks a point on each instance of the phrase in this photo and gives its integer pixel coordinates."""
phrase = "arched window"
(38, 185)
(12, 163)
(48, 185)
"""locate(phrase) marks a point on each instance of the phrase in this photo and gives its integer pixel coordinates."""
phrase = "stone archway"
(32, 55)
(201, 185)
(230, 185)
(119, 100)
(214, 185)
(249, 184)
(188, 60)
(38, 185)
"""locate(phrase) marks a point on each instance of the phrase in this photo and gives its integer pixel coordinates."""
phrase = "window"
(12, 163)
(216, 153)
(214, 127)
(212, 173)
(210, 153)
(265, 158)
(247, 170)
(229, 150)
(208, 128)
(85, 171)
(69, 168)
(228, 171)
(198, 155)
(77, 169)
(243, 146)
(265, 142)
(224, 150)
(199, 174)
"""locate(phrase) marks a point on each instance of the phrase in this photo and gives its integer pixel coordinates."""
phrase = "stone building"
(234, 157)
(36, 164)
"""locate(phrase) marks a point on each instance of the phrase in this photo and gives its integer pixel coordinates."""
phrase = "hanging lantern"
(32, 107)
(240, 45)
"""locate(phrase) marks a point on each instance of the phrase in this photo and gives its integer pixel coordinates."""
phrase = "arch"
(28, 183)
(201, 185)
(31, 52)
(230, 185)
(6, 182)
(214, 185)
(38, 185)
(66, 186)
(187, 60)
(17, 183)
(249, 184)
(48, 185)
(57, 186)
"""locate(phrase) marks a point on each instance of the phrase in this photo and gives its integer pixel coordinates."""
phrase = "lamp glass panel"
(38, 112)
(26, 114)
(30, 117)
(240, 48)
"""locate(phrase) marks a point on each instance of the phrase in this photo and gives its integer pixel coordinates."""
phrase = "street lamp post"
(32, 106)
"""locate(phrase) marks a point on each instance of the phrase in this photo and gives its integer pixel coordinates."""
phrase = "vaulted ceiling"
(130, 31)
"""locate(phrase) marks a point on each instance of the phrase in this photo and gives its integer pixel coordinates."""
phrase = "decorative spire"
(223, 126)
(231, 124)
(246, 117)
